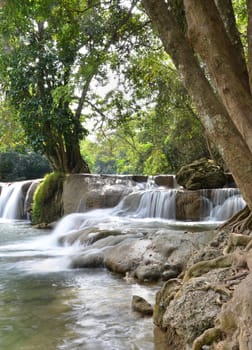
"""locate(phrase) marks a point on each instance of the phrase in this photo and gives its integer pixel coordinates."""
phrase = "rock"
(165, 180)
(141, 306)
(171, 271)
(90, 259)
(235, 319)
(83, 192)
(190, 205)
(126, 256)
(188, 309)
(149, 273)
(201, 174)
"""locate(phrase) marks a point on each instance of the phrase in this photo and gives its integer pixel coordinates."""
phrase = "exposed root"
(237, 239)
(207, 338)
(248, 246)
(241, 222)
(202, 267)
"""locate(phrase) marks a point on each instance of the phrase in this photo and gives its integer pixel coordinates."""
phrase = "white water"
(12, 201)
(146, 200)
(45, 305)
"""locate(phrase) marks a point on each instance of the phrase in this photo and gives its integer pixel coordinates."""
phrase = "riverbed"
(44, 305)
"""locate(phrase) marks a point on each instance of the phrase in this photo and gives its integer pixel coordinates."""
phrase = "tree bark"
(210, 40)
(249, 35)
(214, 116)
(226, 11)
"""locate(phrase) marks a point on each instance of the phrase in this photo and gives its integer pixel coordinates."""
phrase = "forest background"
(92, 74)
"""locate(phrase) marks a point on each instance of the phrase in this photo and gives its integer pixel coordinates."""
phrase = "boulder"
(201, 174)
(141, 306)
(191, 205)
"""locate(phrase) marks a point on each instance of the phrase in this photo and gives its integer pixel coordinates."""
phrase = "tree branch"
(226, 11)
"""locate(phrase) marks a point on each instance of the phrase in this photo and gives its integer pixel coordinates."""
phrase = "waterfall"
(152, 197)
(157, 204)
(12, 200)
(153, 203)
(225, 203)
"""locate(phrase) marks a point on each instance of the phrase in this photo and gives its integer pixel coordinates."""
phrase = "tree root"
(237, 239)
(240, 222)
(207, 338)
(202, 267)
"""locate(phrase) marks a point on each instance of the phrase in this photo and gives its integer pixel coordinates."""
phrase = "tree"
(147, 126)
(214, 63)
(51, 52)
(11, 132)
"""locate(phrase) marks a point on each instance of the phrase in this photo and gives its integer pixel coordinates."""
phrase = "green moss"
(47, 205)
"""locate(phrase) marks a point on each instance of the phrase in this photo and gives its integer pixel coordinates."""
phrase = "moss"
(47, 205)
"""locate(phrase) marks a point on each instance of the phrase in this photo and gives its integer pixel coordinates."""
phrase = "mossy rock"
(47, 206)
(201, 174)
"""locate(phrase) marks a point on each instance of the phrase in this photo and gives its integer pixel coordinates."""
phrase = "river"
(46, 306)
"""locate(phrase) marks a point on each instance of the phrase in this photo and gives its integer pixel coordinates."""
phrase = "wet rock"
(83, 192)
(140, 178)
(165, 180)
(88, 260)
(171, 271)
(126, 256)
(148, 272)
(190, 205)
(141, 306)
(201, 174)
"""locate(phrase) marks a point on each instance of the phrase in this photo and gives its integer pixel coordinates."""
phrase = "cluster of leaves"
(56, 58)
(153, 128)
(50, 53)
(12, 135)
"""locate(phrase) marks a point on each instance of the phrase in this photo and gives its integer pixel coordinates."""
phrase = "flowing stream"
(46, 305)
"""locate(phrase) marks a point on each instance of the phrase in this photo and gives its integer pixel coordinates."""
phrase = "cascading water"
(145, 200)
(12, 201)
(54, 307)
(154, 203)
(222, 204)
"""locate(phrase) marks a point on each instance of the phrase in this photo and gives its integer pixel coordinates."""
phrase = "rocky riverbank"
(122, 224)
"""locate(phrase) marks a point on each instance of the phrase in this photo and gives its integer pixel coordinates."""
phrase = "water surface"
(46, 306)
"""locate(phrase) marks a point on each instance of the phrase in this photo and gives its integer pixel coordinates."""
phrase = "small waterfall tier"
(16, 199)
(148, 203)
(133, 196)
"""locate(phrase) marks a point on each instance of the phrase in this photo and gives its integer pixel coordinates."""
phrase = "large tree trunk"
(221, 130)
(66, 158)
(208, 36)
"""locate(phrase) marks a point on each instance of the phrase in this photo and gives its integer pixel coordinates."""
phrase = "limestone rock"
(141, 306)
(150, 272)
(203, 173)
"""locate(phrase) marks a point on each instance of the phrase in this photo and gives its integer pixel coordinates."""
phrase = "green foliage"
(55, 56)
(50, 53)
(16, 166)
(47, 205)
(11, 132)
(153, 129)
